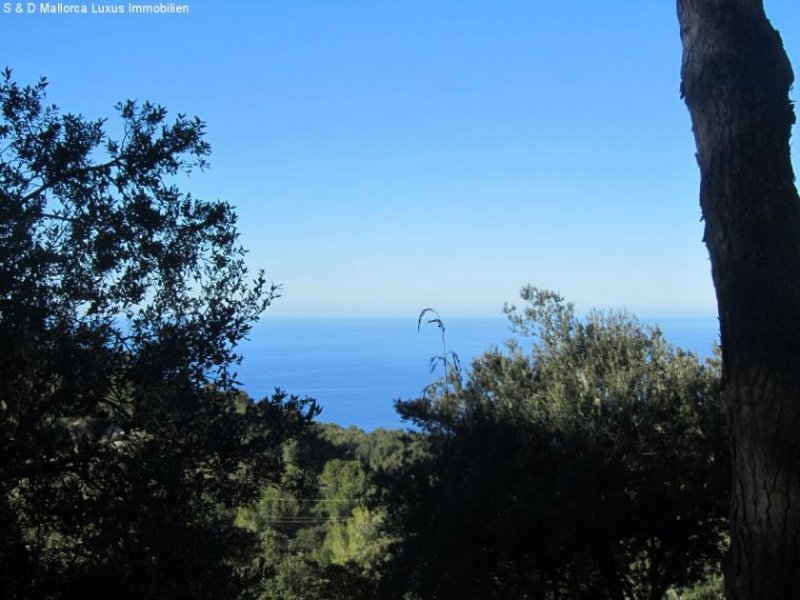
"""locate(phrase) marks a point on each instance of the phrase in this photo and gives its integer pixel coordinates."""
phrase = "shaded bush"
(593, 466)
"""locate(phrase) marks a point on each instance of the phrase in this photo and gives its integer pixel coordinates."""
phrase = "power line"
(285, 518)
(317, 500)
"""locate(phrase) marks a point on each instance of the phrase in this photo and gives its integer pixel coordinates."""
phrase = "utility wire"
(317, 500)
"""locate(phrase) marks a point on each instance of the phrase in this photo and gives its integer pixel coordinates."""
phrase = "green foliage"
(713, 588)
(594, 466)
(124, 445)
(326, 539)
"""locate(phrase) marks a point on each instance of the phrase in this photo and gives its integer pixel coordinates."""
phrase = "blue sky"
(388, 156)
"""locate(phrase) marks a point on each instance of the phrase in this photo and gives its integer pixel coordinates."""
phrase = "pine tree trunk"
(735, 80)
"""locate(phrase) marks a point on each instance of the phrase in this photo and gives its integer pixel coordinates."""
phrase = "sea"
(356, 368)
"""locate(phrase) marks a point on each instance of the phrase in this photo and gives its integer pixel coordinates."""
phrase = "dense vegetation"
(124, 445)
(587, 460)
(592, 466)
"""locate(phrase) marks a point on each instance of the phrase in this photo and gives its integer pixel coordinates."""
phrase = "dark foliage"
(123, 443)
(595, 467)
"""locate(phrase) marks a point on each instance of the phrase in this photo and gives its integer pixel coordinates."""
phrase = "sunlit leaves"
(593, 465)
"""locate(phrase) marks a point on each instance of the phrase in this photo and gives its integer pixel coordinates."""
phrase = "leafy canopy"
(122, 299)
(594, 465)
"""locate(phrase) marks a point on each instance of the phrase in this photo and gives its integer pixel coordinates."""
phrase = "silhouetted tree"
(736, 79)
(593, 467)
(123, 442)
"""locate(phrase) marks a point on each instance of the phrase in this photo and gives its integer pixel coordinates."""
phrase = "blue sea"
(356, 368)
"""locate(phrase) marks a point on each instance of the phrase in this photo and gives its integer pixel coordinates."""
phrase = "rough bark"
(735, 80)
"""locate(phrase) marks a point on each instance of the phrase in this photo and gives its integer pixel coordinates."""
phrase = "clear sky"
(385, 156)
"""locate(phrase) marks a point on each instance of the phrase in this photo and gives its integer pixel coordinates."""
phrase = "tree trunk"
(736, 79)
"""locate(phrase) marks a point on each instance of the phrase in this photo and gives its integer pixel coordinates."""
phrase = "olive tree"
(592, 465)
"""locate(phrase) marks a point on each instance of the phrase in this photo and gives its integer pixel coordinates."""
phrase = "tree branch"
(113, 163)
